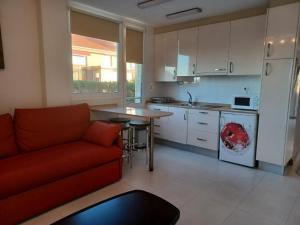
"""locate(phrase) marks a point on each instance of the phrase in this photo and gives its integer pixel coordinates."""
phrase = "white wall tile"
(218, 89)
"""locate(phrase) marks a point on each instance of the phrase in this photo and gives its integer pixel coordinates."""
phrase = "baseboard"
(269, 167)
(184, 147)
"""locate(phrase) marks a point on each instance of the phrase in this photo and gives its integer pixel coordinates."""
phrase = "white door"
(187, 52)
(282, 29)
(275, 95)
(213, 46)
(247, 46)
(238, 138)
(177, 125)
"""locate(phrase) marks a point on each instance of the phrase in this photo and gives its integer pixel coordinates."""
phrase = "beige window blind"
(134, 46)
(95, 27)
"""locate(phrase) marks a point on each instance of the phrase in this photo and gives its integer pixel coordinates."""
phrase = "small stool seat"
(139, 124)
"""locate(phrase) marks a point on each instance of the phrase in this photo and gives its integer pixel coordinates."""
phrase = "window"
(95, 66)
(134, 82)
(94, 54)
(134, 65)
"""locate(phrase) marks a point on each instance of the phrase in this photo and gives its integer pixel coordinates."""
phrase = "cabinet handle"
(157, 109)
(194, 68)
(203, 112)
(174, 75)
(184, 116)
(201, 123)
(156, 125)
(267, 72)
(230, 67)
(220, 69)
(201, 139)
(269, 49)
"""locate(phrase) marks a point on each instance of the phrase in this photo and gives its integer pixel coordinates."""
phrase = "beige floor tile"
(207, 191)
(240, 217)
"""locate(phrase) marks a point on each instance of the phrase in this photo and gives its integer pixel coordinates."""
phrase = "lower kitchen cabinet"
(199, 128)
(203, 129)
(177, 125)
(171, 128)
(160, 124)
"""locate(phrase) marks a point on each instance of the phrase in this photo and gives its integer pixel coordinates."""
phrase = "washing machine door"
(238, 138)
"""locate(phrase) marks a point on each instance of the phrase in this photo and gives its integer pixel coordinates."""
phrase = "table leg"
(151, 144)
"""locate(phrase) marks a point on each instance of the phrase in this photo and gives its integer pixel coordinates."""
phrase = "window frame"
(124, 23)
(141, 29)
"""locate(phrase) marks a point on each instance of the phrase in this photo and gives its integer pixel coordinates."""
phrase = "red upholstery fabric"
(19, 207)
(8, 146)
(102, 133)
(41, 128)
(30, 170)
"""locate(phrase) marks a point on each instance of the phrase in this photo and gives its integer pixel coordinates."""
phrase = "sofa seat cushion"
(45, 127)
(8, 145)
(29, 170)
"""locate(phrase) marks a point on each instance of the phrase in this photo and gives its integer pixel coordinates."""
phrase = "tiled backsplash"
(214, 89)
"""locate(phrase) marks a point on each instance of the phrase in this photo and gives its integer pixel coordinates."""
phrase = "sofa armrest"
(102, 133)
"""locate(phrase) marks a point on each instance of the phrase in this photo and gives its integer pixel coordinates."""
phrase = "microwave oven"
(245, 102)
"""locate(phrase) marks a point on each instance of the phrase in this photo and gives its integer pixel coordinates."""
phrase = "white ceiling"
(155, 15)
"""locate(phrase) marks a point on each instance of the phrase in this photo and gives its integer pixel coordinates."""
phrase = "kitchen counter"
(206, 106)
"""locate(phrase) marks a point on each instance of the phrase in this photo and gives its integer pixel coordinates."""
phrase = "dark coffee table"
(130, 208)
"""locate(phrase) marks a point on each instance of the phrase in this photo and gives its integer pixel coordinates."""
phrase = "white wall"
(215, 89)
(56, 50)
(20, 81)
(37, 54)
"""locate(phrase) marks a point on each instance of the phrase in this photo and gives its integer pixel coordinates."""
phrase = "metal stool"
(137, 125)
(125, 127)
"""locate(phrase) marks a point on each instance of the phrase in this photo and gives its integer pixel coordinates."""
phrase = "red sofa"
(50, 156)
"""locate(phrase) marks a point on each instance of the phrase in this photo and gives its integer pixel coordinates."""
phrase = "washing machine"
(238, 137)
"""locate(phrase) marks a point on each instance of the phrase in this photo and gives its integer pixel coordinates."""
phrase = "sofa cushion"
(41, 128)
(102, 133)
(29, 170)
(8, 145)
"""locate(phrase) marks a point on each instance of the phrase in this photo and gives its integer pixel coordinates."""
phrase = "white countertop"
(205, 106)
(140, 112)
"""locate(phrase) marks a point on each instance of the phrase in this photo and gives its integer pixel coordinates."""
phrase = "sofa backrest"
(44, 127)
(8, 145)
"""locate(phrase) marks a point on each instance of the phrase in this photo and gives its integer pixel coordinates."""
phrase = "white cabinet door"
(187, 52)
(159, 61)
(161, 125)
(275, 94)
(213, 47)
(177, 125)
(171, 51)
(166, 50)
(203, 129)
(282, 31)
(247, 46)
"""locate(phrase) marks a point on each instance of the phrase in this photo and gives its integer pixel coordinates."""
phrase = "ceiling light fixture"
(182, 13)
(149, 3)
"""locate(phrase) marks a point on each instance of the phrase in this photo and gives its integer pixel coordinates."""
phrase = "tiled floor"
(207, 191)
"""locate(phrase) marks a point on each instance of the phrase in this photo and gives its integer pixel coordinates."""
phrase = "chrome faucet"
(190, 98)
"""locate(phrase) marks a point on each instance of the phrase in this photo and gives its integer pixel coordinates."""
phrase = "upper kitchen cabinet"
(166, 50)
(247, 46)
(187, 52)
(282, 31)
(213, 47)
